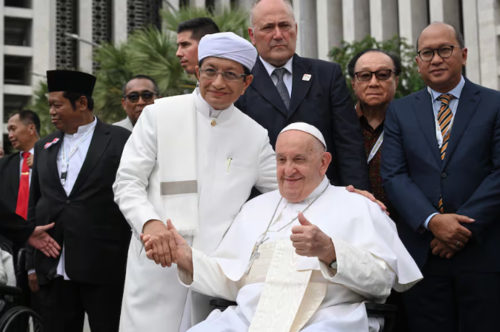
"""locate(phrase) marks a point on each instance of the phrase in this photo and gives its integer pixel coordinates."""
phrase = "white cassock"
(233, 154)
(370, 261)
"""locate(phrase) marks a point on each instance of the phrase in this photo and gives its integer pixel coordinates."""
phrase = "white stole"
(290, 297)
(177, 160)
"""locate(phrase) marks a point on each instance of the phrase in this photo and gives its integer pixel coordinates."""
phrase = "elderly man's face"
(440, 74)
(301, 164)
(220, 92)
(274, 32)
(187, 51)
(139, 93)
(374, 92)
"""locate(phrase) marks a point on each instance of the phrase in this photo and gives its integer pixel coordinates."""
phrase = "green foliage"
(235, 20)
(39, 104)
(409, 80)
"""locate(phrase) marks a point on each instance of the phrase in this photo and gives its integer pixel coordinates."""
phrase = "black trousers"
(64, 303)
(450, 300)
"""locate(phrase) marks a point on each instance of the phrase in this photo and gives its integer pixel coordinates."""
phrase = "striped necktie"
(444, 118)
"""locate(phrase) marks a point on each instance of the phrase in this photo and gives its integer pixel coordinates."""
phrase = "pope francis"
(192, 159)
(302, 258)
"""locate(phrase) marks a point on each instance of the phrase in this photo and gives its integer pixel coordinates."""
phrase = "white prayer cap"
(227, 45)
(307, 128)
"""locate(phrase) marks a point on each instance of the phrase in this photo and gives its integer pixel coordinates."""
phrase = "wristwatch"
(333, 265)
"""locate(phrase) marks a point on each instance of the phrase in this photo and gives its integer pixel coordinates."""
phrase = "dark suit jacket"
(9, 180)
(323, 102)
(468, 178)
(13, 227)
(88, 221)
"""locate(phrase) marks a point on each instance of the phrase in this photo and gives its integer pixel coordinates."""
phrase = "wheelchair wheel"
(16, 320)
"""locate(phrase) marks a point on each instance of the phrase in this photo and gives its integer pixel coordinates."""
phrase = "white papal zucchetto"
(307, 128)
(227, 45)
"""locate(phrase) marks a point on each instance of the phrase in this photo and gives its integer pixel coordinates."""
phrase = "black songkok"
(70, 81)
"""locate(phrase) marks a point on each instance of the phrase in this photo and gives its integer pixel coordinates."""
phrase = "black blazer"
(95, 234)
(13, 227)
(468, 178)
(323, 102)
(9, 180)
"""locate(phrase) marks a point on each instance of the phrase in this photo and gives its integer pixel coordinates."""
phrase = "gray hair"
(288, 3)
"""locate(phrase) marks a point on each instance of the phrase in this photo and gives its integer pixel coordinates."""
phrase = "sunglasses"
(133, 97)
(382, 75)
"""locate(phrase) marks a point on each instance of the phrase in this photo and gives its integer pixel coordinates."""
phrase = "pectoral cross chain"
(255, 254)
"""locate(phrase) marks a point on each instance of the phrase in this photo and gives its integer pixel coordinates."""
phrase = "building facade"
(39, 35)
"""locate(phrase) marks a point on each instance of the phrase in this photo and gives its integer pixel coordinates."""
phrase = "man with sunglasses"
(138, 92)
(192, 159)
(441, 172)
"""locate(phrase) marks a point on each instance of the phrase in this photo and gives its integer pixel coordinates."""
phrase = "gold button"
(213, 123)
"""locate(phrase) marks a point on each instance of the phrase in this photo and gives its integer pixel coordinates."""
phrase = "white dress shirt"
(436, 105)
(81, 141)
(287, 78)
(32, 151)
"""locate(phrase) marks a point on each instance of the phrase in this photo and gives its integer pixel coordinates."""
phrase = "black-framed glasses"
(133, 97)
(427, 54)
(226, 75)
(381, 75)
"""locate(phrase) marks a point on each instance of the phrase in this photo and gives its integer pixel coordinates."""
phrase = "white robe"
(370, 256)
(153, 299)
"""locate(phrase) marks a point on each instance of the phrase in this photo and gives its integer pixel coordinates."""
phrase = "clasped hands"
(449, 235)
(165, 246)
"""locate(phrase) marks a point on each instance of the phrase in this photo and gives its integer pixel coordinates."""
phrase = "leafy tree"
(409, 79)
(39, 104)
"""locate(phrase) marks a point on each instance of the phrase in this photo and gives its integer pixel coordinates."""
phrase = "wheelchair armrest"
(380, 309)
(221, 304)
(7, 290)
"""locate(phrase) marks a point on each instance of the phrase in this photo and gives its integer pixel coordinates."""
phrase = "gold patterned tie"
(444, 118)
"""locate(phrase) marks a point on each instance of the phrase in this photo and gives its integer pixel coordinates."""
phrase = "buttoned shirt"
(287, 78)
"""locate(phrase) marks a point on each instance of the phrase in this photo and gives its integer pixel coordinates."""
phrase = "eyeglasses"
(226, 75)
(444, 52)
(133, 97)
(381, 75)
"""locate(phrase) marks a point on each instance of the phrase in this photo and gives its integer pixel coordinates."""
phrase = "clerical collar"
(83, 129)
(213, 113)
(316, 192)
(270, 68)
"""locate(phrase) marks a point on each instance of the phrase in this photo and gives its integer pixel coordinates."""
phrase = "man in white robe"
(303, 258)
(189, 156)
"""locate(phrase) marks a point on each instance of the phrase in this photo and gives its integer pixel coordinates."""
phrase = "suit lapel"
(264, 85)
(467, 105)
(425, 117)
(14, 176)
(52, 152)
(100, 140)
(300, 87)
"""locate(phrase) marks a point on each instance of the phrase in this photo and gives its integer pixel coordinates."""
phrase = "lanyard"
(375, 148)
(65, 160)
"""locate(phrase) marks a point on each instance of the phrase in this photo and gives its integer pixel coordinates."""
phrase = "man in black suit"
(15, 172)
(441, 171)
(288, 88)
(73, 173)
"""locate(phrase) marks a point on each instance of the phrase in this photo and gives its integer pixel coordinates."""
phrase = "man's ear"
(246, 83)
(82, 103)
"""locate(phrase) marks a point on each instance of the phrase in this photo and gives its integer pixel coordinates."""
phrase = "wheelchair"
(376, 310)
(14, 316)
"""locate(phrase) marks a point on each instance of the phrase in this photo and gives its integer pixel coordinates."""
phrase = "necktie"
(24, 188)
(282, 90)
(444, 118)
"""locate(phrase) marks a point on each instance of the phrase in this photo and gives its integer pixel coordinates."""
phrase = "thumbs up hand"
(308, 240)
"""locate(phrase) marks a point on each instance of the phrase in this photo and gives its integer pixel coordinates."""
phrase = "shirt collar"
(85, 128)
(270, 68)
(31, 151)
(456, 92)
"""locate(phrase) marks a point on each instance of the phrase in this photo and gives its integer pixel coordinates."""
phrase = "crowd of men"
(142, 223)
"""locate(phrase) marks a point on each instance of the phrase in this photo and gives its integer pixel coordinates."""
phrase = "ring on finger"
(457, 244)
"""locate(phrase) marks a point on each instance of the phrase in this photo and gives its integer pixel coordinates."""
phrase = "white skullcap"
(307, 128)
(227, 45)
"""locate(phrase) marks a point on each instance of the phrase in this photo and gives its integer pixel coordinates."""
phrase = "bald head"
(301, 163)
(262, 5)
(443, 27)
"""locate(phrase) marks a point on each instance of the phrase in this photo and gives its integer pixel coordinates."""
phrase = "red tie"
(24, 188)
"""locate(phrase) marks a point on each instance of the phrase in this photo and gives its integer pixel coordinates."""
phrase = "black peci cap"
(70, 81)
